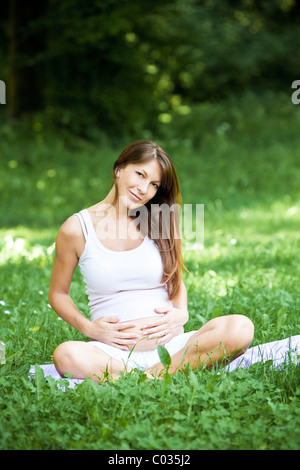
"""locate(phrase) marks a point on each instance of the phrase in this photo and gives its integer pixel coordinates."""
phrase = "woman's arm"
(68, 248)
(181, 302)
(67, 251)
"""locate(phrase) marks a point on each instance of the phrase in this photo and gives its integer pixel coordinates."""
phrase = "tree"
(118, 64)
(26, 46)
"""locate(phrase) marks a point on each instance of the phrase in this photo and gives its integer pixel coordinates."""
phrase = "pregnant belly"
(143, 342)
(137, 307)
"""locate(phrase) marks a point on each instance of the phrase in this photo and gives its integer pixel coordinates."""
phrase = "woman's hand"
(168, 326)
(109, 330)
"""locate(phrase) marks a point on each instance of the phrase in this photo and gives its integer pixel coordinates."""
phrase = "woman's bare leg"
(222, 338)
(83, 360)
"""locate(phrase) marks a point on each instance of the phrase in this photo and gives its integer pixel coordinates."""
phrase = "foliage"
(124, 66)
(241, 410)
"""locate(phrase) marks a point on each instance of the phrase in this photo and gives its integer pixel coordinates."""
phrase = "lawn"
(242, 163)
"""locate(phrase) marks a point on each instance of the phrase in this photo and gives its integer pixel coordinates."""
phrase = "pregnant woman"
(129, 252)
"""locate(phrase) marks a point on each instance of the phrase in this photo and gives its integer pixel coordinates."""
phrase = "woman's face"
(138, 183)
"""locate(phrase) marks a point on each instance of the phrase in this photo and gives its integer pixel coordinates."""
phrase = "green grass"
(247, 176)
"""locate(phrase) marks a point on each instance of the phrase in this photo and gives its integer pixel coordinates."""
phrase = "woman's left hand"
(168, 326)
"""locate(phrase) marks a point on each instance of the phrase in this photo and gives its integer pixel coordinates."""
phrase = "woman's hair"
(161, 219)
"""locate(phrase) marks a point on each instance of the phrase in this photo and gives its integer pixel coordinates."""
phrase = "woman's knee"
(241, 332)
(62, 356)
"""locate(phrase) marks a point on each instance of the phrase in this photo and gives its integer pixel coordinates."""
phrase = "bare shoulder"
(70, 236)
(71, 227)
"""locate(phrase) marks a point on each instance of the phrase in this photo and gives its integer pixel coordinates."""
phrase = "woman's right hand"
(109, 330)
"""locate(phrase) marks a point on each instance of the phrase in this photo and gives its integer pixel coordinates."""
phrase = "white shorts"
(143, 359)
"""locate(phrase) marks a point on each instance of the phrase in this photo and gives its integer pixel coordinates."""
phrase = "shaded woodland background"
(124, 67)
(210, 81)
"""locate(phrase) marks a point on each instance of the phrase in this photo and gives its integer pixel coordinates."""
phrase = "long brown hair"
(168, 194)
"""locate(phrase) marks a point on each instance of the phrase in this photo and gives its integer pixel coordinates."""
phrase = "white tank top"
(126, 284)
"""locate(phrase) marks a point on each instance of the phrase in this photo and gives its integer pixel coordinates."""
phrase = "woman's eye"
(140, 174)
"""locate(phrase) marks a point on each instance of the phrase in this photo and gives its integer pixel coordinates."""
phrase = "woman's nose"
(142, 187)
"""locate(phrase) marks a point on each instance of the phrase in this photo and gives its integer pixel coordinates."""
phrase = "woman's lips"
(135, 196)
